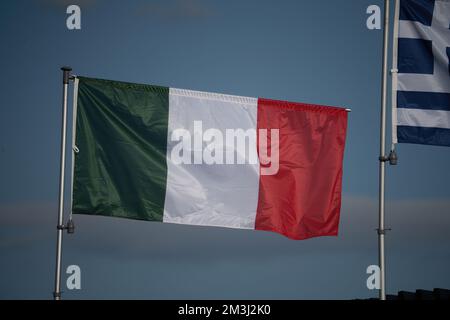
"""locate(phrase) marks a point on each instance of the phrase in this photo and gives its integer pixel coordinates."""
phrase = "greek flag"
(421, 72)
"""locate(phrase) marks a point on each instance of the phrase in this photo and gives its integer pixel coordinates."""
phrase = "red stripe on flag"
(303, 199)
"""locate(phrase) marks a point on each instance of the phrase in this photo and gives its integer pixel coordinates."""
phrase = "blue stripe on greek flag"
(423, 100)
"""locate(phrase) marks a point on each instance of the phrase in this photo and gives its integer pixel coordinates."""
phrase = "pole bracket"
(392, 158)
(56, 295)
(383, 231)
(70, 226)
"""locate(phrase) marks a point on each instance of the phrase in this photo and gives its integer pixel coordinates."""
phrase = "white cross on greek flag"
(421, 72)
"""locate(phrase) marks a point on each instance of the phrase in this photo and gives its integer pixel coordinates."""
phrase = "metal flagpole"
(392, 158)
(60, 227)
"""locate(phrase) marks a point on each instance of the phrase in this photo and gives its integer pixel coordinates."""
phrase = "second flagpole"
(60, 226)
(382, 158)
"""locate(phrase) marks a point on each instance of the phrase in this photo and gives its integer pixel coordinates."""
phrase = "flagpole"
(382, 159)
(60, 226)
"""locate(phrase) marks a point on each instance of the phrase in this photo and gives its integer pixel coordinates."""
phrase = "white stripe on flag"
(223, 195)
(423, 118)
(423, 82)
(413, 30)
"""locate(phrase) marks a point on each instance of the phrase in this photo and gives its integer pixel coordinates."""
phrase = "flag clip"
(383, 231)
(392, 158)
(70, 226)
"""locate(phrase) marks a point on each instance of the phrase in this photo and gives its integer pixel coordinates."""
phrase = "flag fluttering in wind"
(180, 156)
(421, 78)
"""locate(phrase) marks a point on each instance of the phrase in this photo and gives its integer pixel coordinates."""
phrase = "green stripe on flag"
(121, 133)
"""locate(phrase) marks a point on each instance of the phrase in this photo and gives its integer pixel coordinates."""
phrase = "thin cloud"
(423, 221)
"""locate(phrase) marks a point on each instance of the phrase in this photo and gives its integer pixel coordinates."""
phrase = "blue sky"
(309, 51)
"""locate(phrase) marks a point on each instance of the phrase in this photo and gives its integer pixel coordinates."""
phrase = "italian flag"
(188, 157)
